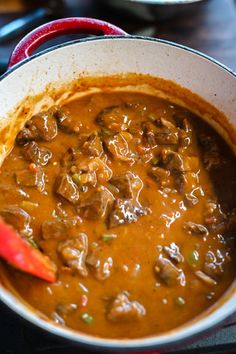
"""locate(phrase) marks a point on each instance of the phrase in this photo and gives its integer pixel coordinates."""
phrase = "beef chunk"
(61, 228)
(119, 148)
(99, 264)
(31, 178)
(65, 121)
(70, 157)
(163, 134)
(214, 218)
(36, 154)
(160, 175)
(97, 165)
(7, 190)
(214, 264)
(124, 310)
(95, 206)
(115, 118)
(42, 126)
(125, 211)
(174, 253)
(93, 145)
(185, 183)
(172, 161)
(73, 253)
(168, 272)
(128, 184)
(211, 153)
(67, 188)
(18, 218)
(195, 229)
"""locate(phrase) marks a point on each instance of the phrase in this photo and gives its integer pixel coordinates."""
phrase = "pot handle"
(47, 31)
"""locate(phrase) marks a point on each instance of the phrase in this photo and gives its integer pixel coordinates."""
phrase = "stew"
(133, 198)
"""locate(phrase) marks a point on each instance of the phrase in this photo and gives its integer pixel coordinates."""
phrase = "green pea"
(108, 237)
(179, 301)
(88, 319)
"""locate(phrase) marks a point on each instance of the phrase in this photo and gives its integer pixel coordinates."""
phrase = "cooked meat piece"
(18, 218)
(73, 253)
(124, 310)
(31, 178)
(172, 160)
(211, 153)
(214, 218)
(87, 178)
(115, 118)
(190, 199)
(168, 272)
(67, 188)
(97, 165)
(36, 154)
(70, 157)
(95, 206)
(160, 135)
(42, 126)
(93, 145)
(64, 310)
(214, 264)
(7, 190)
(183, 123)
(208, 280)
(61, 228)
(128, 184)
(185, 183)
(65, 121)
(119, 148)
(195, 229)
(100, 265)
(160, 175)
(125, 211)
(174, 253)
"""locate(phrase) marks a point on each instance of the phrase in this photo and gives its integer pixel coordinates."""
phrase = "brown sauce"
(133, 198)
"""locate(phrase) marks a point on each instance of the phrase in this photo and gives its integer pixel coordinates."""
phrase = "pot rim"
(161, 2)
(126, 37)
(167, 339)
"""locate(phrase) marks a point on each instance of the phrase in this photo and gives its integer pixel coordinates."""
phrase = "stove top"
(19, 337)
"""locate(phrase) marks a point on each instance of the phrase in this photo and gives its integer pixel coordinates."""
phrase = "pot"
(115, 53)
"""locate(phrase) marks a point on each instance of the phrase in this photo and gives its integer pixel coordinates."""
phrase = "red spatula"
(17, 252)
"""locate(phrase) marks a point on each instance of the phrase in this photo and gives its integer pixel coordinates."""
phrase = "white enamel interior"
(111, 56)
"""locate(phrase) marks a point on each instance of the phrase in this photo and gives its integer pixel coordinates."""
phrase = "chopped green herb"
(193, 258)
(29, 206)
(108, 237)
(106, 132)
(152, 117)
(76, 179)
(32, 243)
(88, 319)
(179, 301)
(155, 161)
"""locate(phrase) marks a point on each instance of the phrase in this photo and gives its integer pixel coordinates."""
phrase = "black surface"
(19, 337)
